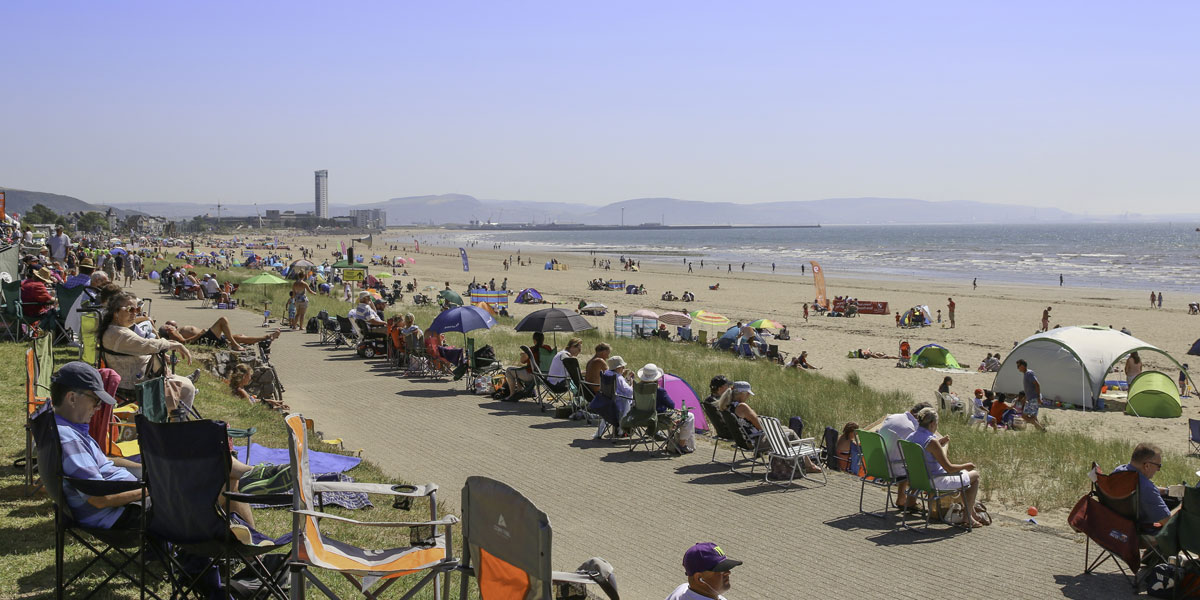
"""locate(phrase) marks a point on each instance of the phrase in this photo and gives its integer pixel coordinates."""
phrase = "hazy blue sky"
(1087, 106)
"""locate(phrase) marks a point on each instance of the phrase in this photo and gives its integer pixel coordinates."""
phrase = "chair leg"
(59, 541)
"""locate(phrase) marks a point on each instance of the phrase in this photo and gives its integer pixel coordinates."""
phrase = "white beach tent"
(1070, 362)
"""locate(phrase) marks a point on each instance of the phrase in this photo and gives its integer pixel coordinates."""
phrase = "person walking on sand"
(950, 307)
(772, 267)
(1033, 394)
(1046, 319)
(1152, 299)
(805, 312)
(975, 283)
(1060, 280)
(1160, 295)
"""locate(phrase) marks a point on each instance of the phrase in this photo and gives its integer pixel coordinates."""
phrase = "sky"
(1085, 106)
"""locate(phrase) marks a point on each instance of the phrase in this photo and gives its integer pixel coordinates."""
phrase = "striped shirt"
(82, 459)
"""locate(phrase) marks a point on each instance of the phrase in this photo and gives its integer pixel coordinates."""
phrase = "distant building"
(322, 211)
(368, 218)
(146, 225)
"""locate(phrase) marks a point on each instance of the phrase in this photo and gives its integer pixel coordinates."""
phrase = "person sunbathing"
(242, 376)
(733, 400)
(218, 334)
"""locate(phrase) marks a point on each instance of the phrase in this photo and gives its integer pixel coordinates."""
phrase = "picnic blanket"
(949, 370)
(318, 462)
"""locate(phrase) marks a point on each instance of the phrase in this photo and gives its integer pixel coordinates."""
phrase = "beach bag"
(313, 325)
(782, 469)
(954, 515)
(685, 437)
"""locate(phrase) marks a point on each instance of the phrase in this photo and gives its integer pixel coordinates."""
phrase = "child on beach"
(291, 309)
(939, 315)
(1183, 381)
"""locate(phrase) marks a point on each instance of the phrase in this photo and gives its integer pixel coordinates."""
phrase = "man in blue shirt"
(76, 391)
(1152, 508)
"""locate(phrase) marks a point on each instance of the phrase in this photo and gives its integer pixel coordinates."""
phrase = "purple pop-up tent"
(683, 395)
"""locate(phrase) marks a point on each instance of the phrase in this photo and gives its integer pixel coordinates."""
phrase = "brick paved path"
(640, 513)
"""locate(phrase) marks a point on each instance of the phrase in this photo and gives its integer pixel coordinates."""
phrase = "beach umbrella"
(676, 319)
(429, 288)
(553, 320)
(300, 264)
(595, 305)
(384, 276)
(765, 324)
(645, 313)
(374, 293)
(462, 319)
(264, 279)
(450, 297)
(709, 318)
(118, 250)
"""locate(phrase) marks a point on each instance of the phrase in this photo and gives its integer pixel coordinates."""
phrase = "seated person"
(76, 391)
(613, 409)
(945, 474)
(596, 365)
(410, 327)
(241, 377)
(218, 334)
(1154, 506)
(784, 334)
(802, 361)
(981, 410)
(521, 375)
(37, 298)
(841, 451)
(362, 310)
(983, 363)
(1001, 411)
(734, 400)
(212, 289)
(558, 379)
(897, 427)
(951, 397)
(131, 355)
(717, 386)
(993, 363)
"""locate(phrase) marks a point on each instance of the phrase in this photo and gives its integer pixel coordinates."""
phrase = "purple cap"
(707, 556)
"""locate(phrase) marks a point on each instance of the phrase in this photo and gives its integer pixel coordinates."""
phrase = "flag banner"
(819, 283)
(463, 252)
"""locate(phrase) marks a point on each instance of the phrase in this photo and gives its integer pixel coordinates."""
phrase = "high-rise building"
(369, 218)
(322, 194)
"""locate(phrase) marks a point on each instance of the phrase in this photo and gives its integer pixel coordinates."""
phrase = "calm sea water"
(1134, 256)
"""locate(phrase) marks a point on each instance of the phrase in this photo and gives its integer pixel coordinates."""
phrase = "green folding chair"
(1181, 535)
(920, 482)
(878, 469)
(15, 321)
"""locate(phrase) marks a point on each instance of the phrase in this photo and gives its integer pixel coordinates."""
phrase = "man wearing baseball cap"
(76, 391)
(707, 569)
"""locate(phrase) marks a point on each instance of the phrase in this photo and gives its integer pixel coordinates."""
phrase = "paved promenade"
(640, 513)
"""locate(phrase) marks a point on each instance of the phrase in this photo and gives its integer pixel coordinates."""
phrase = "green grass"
(1018, 468)
(27, 570)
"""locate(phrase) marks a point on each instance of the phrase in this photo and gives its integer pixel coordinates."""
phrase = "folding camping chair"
(39, 366)
(794, 453)
(508, 544)
(1181, 536)
(186, 467)
(1193, 436)
(1108, 516)
(641, 422)
(878, 469)
(118, 548)
(548, 394)
(685, 334)
(702, 337)
(346, 336)
(430, 548)
(920, 482)
(15, 321)
(89, 349)
(720, 430)
(477, 367)
(539, 380)
(328, 330)
(745, 447)
(417, 361)
(583, 393)
(66, 302)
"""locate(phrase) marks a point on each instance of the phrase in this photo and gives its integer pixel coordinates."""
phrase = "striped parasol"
(765, 324)
(644, 313)
(676, 319)
(709, 318)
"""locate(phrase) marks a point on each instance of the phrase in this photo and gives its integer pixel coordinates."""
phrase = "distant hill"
(20, 201)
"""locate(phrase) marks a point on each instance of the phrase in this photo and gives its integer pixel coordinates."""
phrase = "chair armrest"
(571, 577)
(445, 521)
(388, 489)
(98, 487)
(268, 499)
(241, 433)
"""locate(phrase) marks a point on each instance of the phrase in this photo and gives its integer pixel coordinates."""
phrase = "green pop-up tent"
(1153, 394)
(933, 355)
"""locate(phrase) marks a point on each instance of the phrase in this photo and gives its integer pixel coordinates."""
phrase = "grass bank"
(27, 570)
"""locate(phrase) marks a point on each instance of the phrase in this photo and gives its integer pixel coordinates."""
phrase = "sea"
(1144, 256)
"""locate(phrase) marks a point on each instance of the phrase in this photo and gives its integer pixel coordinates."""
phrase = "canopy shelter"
(933, 355)
(1153, 394)
(529, 296)
(449, 298)
(1070, 362)
(917, 316)
(345, 264)
(683, 395)
(1195, 351)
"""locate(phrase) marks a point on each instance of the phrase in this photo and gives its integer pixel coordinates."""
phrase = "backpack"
(313, 325)
(797, 424)
(485, 353)
(829, 449)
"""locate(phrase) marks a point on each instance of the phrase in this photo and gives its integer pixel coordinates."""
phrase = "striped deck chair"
(508, 541)
(780, 447)
(432, 552)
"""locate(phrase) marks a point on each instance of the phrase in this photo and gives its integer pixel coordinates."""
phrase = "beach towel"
(948, 370)
(318, 462)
